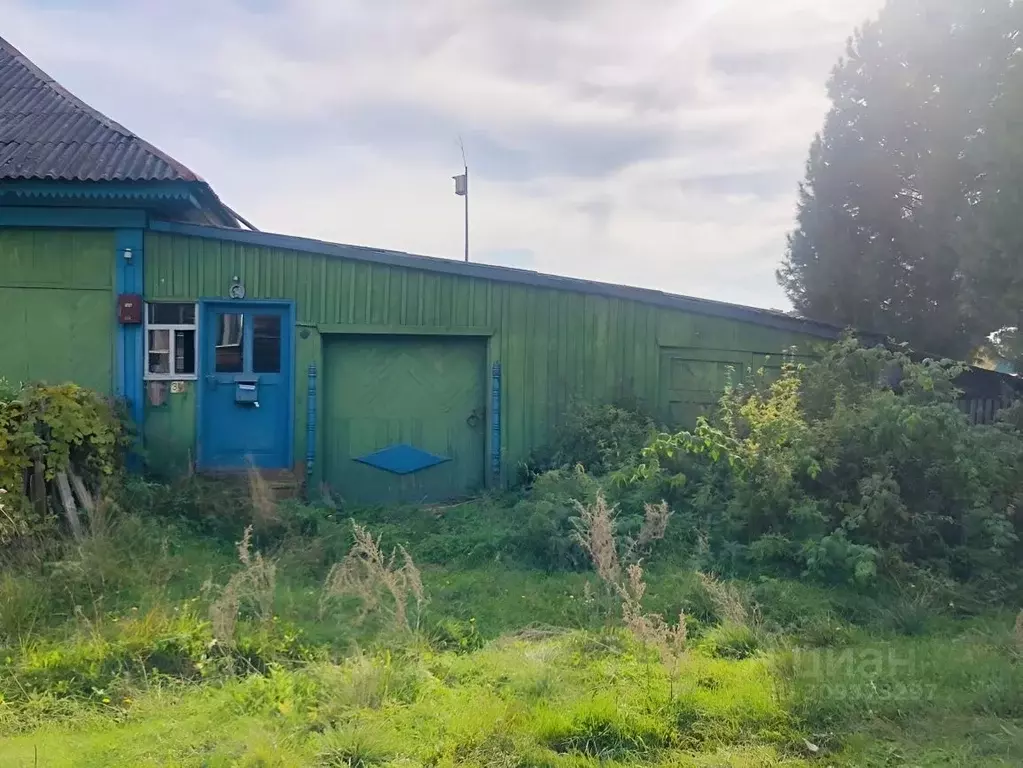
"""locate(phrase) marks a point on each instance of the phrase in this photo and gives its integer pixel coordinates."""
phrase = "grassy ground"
(107, 658)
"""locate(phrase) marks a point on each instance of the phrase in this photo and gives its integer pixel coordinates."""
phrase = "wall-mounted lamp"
(127, 254)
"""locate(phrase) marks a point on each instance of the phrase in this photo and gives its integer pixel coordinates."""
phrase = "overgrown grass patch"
(539, 697)
(969, 674)
(505, 666)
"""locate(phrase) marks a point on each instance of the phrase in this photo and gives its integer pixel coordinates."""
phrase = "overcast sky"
(649, 142)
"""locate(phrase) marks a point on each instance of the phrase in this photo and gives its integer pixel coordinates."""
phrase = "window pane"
(159, 341)
(229, 348)
(184, 352)
(266, 344)
(159, 362)
(172, 314)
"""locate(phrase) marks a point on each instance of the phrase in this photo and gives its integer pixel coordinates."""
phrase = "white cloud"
(656, 143)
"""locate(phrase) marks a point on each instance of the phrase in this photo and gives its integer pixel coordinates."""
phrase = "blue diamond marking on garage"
(402, 459)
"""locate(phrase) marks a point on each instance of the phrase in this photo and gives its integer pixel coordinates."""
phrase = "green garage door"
(57, 307)
(404, 418)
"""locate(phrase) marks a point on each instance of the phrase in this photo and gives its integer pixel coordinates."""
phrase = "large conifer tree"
(885, 209)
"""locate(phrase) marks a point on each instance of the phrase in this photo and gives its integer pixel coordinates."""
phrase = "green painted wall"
(57, 318)
(169, 429)
(555, 346)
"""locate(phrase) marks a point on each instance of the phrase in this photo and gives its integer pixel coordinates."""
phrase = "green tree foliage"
(854, 465)
(991, 268)
(884, 223)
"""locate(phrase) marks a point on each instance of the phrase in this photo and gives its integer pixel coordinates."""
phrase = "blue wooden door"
(245, 402)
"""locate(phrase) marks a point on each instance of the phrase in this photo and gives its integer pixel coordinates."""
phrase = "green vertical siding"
(169, 431)
(555, 346)
(56, 306)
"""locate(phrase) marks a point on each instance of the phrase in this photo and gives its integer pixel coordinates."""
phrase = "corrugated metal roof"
(48, 133)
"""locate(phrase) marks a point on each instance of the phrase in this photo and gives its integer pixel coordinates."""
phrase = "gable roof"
(47, 133)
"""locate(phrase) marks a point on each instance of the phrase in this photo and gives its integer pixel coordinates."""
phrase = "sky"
(656, 143)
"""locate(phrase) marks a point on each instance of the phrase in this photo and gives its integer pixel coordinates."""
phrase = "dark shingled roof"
(47, 133)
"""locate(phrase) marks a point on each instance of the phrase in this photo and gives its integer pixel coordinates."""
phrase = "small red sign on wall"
(129, 309)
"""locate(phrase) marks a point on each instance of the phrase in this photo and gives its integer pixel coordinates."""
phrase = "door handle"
(474, 418)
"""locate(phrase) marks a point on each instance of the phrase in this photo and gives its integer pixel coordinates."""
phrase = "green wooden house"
(384, 375)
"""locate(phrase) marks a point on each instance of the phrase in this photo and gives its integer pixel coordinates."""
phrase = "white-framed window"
(171, 341)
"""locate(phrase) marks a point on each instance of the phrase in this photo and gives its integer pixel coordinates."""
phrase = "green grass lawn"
(107, 659)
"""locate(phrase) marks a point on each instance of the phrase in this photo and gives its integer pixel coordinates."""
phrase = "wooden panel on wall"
(57, 307)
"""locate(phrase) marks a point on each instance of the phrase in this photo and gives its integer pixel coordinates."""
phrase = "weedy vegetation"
(826, 572)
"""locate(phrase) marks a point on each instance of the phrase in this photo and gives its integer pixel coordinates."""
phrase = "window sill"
(170, 377)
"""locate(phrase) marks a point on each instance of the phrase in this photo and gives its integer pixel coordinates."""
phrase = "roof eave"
(153, 196)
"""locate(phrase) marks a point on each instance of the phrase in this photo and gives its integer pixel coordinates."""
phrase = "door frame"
(287, 368)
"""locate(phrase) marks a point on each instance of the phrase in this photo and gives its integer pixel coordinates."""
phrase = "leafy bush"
(8, 390)
(53, 428)
(600, 438)
(545, 533)
(856, 464)
(546, 537)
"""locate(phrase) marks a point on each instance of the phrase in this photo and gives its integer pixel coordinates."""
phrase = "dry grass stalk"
(595, 534)
(11, 526)
(265, 513)
(252, 586)
(244, 547)
(102, 518)
(651, 628)
(654, 528)
(729, 602)
(366, 574)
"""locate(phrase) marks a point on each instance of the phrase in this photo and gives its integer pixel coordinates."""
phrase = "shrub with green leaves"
(54, 428)
(857, 463)
(546, 534)
(600, 438)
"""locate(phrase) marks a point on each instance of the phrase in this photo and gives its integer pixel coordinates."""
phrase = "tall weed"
(252, 588)
(596, 532)
(380, 583)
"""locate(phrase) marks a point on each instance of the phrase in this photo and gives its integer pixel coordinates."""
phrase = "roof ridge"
(107, 122)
